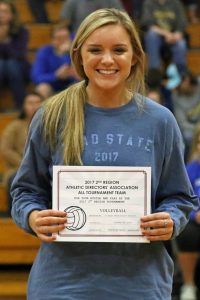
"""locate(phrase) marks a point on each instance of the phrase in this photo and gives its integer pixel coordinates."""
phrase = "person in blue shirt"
(108, 102)
(52, 70)
(189, 240)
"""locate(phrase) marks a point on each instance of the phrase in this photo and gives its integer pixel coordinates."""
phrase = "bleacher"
(16, 246)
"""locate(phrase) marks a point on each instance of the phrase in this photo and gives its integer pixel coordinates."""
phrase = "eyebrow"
(99, 45)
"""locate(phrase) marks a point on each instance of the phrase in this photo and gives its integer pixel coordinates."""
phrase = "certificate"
(103, 204)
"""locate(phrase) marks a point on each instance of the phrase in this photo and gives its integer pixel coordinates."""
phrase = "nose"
(107, 58)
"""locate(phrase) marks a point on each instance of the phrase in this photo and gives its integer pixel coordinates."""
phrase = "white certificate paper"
(103, 204)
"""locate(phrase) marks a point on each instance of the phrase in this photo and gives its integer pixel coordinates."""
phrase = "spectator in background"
(155, 95)
(38, 10)
(189, 240)
(154, 82)
(164, 22)
(74, 13)
(134, 8)
(52, 70)
(186, 103)
(14, 137)
(14, 66)
(192, 10)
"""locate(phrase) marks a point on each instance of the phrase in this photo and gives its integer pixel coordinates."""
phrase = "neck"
(107, 99)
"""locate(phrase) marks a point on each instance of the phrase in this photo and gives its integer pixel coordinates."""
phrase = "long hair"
(15, 23)
(64, 113)
(194, 153)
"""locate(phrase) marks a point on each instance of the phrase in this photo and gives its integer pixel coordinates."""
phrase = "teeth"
(107, 71)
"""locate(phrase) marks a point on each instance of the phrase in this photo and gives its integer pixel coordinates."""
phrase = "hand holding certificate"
(103, 204)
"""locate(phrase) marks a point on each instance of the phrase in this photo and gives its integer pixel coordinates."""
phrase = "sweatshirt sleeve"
(31, 188)
(174, 193)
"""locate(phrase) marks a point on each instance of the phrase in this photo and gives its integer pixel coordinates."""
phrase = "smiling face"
(107, 58)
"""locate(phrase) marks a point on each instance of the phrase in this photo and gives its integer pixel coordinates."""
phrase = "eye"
(94, 50)
(119, 50)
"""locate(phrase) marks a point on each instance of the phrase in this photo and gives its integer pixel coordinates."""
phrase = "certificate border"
(103, 235)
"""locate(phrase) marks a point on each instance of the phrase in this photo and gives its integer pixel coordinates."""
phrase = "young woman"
(189, 240)
(108, 56)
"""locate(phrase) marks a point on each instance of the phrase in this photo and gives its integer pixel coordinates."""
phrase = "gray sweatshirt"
(122, 136)
(167, 14)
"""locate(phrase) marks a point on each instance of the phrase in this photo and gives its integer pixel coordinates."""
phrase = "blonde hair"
(194, 154)
(64, 113)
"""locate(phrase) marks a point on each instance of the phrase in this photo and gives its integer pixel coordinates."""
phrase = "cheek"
(8, 17)
(127, 61)
(88, 63)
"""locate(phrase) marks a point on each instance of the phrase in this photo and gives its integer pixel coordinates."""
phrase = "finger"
(46, 238)
(155, 216)
(161, 223)
(156, 231)
(50, 229)
(152, 238)
(51, 212)
(50, 221)
(157, 235)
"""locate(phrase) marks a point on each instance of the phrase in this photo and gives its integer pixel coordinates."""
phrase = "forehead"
(5, 7)
(61, 32)
(112, 33)
(32, 98)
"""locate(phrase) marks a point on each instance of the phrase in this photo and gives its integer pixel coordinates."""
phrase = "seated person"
(186, 107)
(134, 8)
(14, 137)
(73, 13)
(189, 240)
(192, 10)
(39, 11)
(154, 82)
(52, 70)
(14, 66)
(155, 95)
(164, 22)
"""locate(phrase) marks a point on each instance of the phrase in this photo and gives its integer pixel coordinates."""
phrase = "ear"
(133, 61)
(75, 53)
